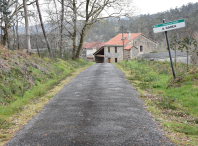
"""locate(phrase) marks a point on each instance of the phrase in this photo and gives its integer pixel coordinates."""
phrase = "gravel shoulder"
(97, 107)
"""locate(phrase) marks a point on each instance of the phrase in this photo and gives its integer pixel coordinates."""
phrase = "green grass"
(174, 101)
(26, 78)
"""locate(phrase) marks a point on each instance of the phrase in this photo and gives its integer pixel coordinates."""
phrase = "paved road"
(99, 107)
(164, 56)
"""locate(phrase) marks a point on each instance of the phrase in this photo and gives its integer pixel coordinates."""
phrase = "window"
(108, 49)
(141, 48)
(115, 49)
(116, 60)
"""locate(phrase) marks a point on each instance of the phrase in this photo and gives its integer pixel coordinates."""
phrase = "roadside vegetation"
(25, 78)
(174, 102)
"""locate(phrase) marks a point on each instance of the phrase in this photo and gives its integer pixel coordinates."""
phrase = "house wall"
(112, 54)
(133, 52)
(141, 40)
(127, 54)
(83, 54)
(147, 44)
(91, 51)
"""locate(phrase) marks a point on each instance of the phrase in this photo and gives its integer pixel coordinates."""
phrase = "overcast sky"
(155, 6)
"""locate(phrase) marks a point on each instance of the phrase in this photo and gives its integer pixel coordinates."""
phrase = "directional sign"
(169, 26)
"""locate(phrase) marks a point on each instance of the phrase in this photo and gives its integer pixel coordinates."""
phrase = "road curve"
(99, 107)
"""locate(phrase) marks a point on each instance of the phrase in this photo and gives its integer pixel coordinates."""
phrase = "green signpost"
(169, 26)
(164, 27)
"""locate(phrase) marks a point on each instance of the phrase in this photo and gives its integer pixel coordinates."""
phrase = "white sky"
(155, 6)
(143, 6)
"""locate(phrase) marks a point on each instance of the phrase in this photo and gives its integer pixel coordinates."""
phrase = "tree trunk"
(1, 31)
(75, 30)
(6, 35)
(37, 46)
(57, 44)
(74, 46)
(17, 26)
(82, 37)
(61, 30)
(27, 28)
(14, 37)
(37, 41)
(44, 33)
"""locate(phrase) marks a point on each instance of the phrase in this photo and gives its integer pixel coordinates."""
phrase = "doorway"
(109, 60)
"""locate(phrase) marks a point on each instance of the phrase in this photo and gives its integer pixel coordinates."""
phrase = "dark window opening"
(115, 49)
(108, 49)
(141, 48)
(116, 60)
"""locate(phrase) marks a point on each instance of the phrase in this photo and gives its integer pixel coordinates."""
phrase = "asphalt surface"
(164, 56)
(99, 107)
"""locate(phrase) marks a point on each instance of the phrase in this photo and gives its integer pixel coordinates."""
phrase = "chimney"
(129, 36)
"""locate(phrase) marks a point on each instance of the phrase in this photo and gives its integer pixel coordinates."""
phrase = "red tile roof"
(117, 40)
(128, 47)
(92, 45)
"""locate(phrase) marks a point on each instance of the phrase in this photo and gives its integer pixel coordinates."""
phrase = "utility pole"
(123, 40)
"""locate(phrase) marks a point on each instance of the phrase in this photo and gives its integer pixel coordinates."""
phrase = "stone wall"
(113, 55)
(127, 54)
(134, 52)
(147, 45)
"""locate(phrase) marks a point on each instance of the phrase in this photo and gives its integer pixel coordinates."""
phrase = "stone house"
(92, 48)
(135, 44)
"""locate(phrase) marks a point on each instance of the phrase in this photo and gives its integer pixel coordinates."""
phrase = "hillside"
(24, 78)
(106, 29)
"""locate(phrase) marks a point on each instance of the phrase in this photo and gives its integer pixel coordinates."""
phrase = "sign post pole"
(166, 33)
(164, 27)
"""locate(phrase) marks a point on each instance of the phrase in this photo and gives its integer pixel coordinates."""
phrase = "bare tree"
(1, 30)
(90, 12)
(27, 28)
(8, 11)
(72, 30)
(61, 29)
(42, 26)
(17, 26)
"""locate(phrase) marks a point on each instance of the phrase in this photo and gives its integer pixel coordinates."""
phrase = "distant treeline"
(106, 29)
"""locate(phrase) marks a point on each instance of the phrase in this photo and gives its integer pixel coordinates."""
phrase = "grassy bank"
(25, 78)
(174, 102)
